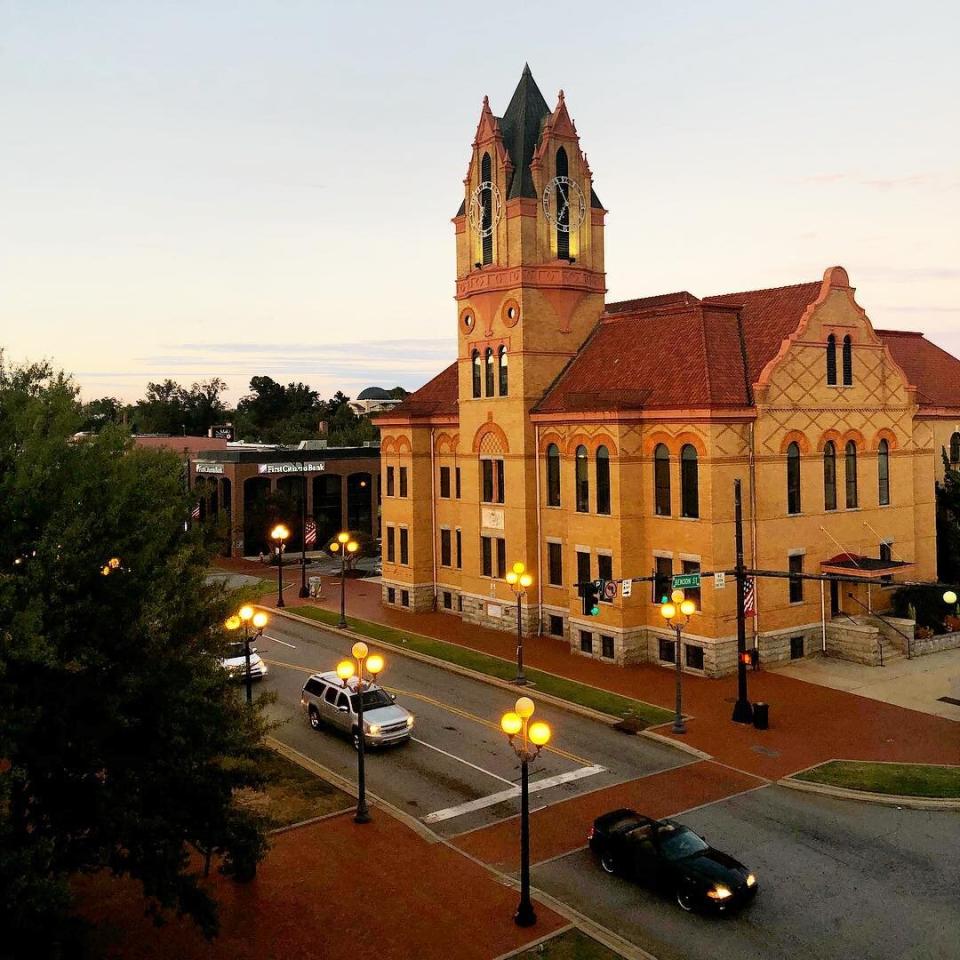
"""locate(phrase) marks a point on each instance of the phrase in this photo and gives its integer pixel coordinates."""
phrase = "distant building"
(373, 400)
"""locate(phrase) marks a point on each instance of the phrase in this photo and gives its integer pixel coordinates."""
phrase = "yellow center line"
(444, 706)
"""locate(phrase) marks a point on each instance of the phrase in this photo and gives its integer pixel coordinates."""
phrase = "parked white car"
(234, 662)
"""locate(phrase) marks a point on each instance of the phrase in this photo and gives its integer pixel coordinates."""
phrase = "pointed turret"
(521, 125)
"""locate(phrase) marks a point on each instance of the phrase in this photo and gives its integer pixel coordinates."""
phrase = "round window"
(510, 314)
(468, 320)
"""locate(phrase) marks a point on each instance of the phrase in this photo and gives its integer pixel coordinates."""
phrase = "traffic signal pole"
(742, 710)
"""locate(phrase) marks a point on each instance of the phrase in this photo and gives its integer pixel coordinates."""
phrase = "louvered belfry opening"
(486, 197)
(563, 208)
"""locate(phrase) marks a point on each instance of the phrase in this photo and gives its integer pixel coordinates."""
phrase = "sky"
(227, 189)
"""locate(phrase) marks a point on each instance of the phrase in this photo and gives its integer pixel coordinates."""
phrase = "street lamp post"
(343, 545)
(669, 611)
(519, 582)
(246, 615)
(532, 738)
(346, 669)
(280, 533)
(304, 591)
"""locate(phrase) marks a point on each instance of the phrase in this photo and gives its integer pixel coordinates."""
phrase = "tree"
(272, 413)
(121, 739)
(98, 413)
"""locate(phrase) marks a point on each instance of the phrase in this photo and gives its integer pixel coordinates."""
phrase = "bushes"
(923, 604)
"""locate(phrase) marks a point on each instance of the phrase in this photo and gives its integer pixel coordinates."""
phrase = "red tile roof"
(192, 445)
(634, 357)
(675, 351)
(437, 397)
(933, 371)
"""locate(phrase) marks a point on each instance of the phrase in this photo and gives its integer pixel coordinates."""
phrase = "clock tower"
(529, 291)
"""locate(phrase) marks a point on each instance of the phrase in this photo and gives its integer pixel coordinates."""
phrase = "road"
(838, 880)
(458, 773)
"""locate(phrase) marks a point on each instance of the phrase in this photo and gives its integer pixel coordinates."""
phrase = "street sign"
(719, 580)
(609, 589)
(683, 581)
(626, 588)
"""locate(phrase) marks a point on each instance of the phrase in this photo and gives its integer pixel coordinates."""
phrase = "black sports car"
(670, 857)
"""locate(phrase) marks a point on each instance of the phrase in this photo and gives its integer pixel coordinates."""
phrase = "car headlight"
(410, 721)
(751, 880)
(373, 729)
(719, 892)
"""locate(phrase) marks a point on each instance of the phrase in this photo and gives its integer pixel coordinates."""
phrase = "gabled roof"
(520, 125)
(933, 371)
(674, 350)
(437, 397)
(769, 317)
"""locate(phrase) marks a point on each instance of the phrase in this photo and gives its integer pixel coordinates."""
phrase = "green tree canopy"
(121, 740)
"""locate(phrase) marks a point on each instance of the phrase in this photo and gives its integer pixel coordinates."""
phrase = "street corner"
(563, 827)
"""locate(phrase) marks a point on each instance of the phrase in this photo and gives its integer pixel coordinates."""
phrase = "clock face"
(564, 204)
(485, 208)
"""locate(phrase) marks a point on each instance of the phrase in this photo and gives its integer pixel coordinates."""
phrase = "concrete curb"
(558, 702)
(670, 742)
(599, 933)
(885, 799)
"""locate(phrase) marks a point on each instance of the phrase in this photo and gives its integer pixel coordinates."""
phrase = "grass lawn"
(293, 794)
(612, 704)
(572, 945)
(902, 779)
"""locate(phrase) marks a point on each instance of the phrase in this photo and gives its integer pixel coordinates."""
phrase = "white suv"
(328, 702)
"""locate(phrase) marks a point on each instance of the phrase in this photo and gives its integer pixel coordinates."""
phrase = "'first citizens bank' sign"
(295, 467)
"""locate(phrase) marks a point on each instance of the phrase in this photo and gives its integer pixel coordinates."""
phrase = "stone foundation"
(499, 614)
(854, 640)
(418, 596)
(925, 645)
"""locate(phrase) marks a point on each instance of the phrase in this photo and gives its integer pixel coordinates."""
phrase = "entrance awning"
(870, 568)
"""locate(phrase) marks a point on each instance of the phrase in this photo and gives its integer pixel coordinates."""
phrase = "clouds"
(347, 366)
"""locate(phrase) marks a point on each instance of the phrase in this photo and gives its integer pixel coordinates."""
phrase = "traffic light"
(590, 593)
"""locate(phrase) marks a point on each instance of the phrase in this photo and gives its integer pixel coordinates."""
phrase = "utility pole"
(742, 710)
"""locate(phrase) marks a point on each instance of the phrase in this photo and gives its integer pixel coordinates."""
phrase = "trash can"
(761, 715)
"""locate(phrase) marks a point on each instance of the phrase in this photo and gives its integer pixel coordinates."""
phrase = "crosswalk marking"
(494, 798)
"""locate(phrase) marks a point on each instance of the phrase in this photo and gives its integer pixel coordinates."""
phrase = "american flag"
(749, 596)
(195, 512)
(310, 532)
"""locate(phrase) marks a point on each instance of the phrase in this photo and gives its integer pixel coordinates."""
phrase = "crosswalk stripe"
(494, 798)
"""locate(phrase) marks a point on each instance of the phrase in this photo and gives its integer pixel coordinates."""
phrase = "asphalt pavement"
(458, 772)
(839, 880)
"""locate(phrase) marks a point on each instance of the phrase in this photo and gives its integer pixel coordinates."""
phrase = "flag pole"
(742, 710)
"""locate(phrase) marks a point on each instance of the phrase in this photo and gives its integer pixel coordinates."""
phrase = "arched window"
(955, 448)
(486, 198)
(488, 384)
(883, 471)
(793, 478)
(661, 480)
(603, 480)
(476, 372)
(553, 475)
(847, 361)
(689, 482)
(502, 369)
(830, 476)
(563, 208)
(582, 481)
(851, 474)
(831, 361)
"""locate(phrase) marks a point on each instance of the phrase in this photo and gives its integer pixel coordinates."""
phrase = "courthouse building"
(601, 440)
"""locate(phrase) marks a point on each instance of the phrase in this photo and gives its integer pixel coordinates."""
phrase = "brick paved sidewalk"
(326, 890)
(808, 723)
